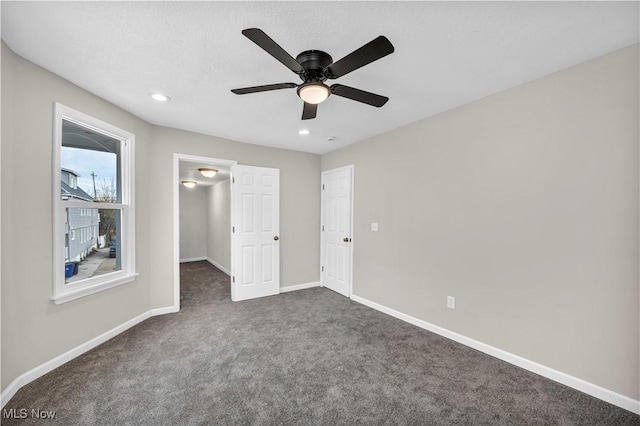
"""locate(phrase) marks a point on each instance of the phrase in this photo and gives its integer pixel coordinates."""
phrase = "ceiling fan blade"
(309, 111)
(258, 36)
(372, 51)
(264, 88)
(359, 95)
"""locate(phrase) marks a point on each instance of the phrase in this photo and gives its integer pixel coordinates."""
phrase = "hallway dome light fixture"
(207, 172)
(189, 183)
(313, 93)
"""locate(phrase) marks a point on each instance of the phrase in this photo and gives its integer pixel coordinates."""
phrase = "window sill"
(68, 296)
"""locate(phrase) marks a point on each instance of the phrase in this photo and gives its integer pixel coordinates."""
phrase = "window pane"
(99, 252)
(90, 165)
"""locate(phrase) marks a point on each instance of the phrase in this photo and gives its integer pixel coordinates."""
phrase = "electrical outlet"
(374, 226)
(451, 302)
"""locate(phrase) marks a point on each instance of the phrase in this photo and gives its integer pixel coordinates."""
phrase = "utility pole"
(95, 194)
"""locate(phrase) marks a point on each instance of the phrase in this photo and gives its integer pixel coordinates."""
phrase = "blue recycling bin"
(69, 269)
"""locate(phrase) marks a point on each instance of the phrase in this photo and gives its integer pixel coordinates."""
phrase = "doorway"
(201, 213)
(247, 247)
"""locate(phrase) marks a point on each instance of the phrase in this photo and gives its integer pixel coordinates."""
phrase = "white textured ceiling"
(447, 54)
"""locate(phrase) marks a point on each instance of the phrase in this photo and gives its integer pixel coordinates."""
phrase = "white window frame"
(63, 292)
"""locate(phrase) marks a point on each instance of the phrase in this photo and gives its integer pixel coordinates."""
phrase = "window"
(93, 181)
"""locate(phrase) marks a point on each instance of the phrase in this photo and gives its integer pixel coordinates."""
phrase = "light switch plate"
(374, 226)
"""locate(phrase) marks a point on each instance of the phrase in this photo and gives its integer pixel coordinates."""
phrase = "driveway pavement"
(97, 263)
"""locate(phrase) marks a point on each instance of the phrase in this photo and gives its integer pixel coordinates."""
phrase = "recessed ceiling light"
(189, 183)
(303, 132)
(160, 97)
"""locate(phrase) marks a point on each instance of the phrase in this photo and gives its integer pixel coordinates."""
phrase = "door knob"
(276, 238)
(346, 239)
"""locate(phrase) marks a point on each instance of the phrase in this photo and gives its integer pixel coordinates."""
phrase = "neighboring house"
(81, 223)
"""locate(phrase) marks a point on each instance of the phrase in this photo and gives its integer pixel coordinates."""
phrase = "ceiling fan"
(315, 67)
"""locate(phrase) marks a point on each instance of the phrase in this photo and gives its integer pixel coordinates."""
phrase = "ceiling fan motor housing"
(314, 62)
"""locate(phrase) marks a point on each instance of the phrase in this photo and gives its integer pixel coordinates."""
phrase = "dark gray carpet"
(305, 357)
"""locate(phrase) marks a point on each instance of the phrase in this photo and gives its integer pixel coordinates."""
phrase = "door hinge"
(233, 229)
(233, 278)
(323, 186)
(233, 179)
(323, 269)
(323, 227)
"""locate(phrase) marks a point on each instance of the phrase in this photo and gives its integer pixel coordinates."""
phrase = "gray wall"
(299, 201)
(34, 330)
(219, 224)
(193, 222)
(524, 206)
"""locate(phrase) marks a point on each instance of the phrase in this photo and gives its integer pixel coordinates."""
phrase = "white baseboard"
(192, 259)
(217, 265)
(56, 362)
(163, 311)
(299, 286)
(558, 376)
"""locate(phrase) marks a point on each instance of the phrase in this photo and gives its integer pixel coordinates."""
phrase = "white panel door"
(255, 221)
(336, 240)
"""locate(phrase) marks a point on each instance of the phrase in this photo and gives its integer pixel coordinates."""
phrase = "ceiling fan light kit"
(314, 67)
(313, 93)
